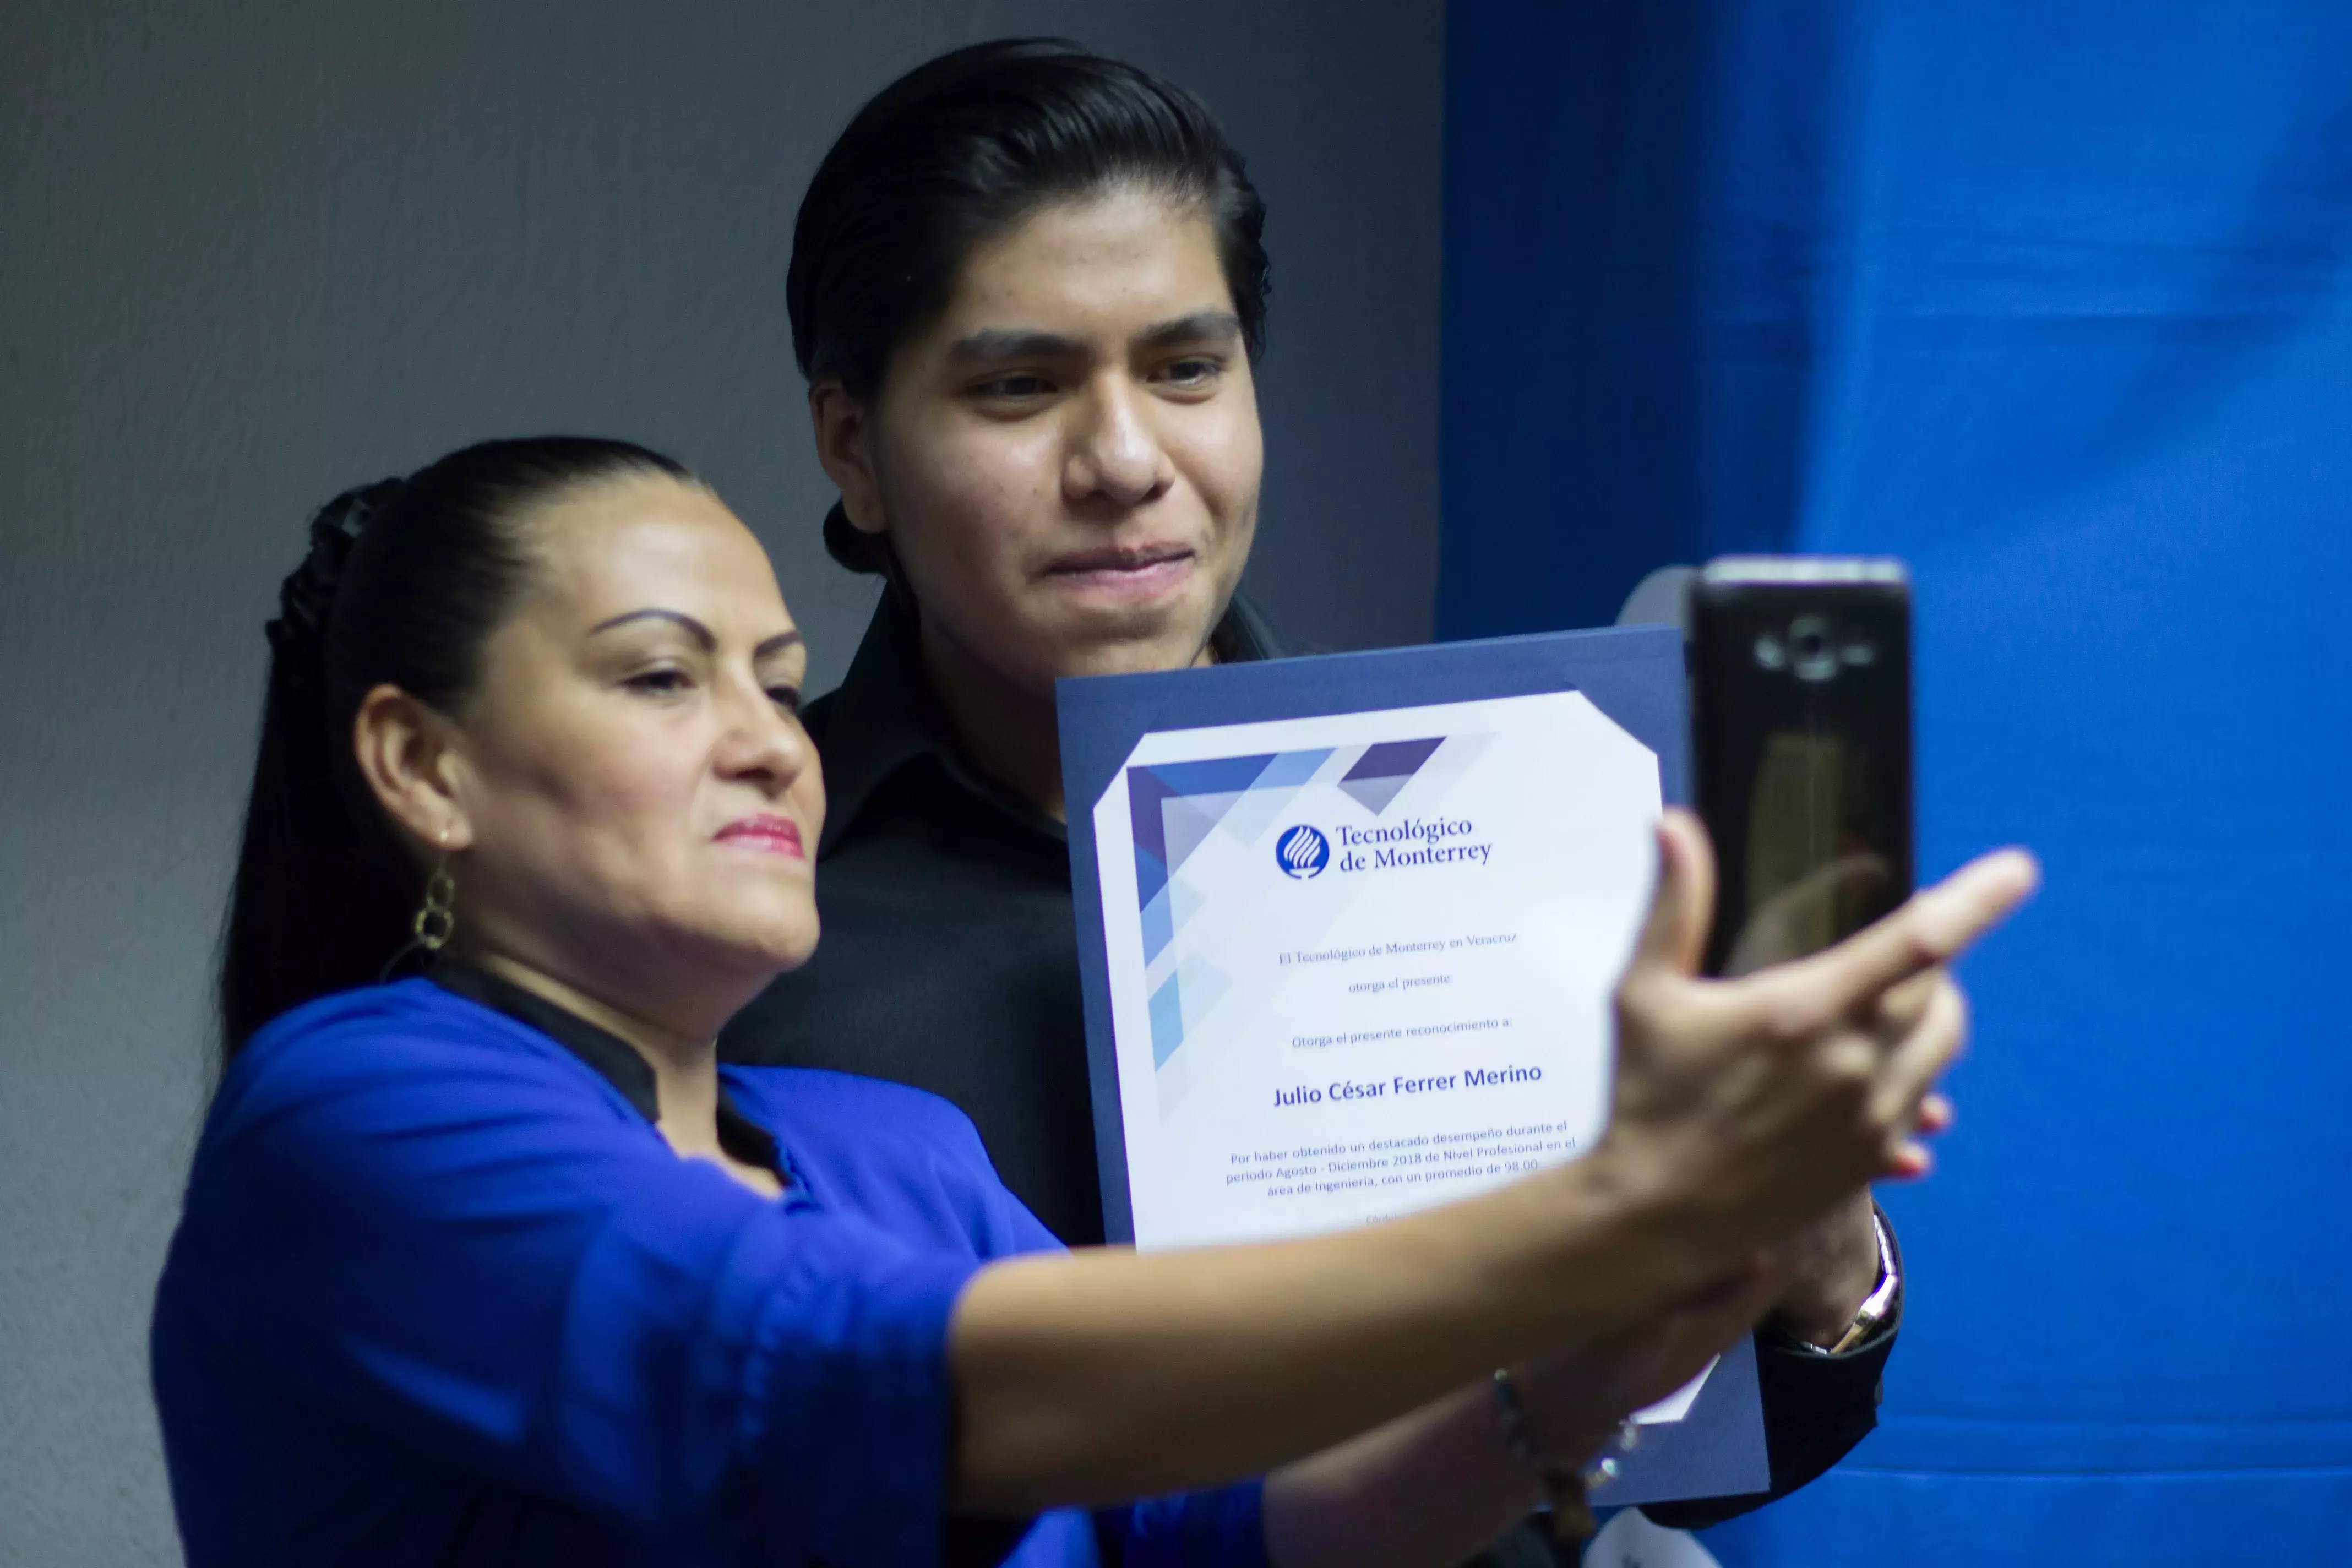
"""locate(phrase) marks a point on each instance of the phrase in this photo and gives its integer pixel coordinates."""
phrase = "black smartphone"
(1800, 749)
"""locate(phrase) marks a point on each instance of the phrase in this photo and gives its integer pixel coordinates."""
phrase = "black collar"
(608, 1055)
(885, 715)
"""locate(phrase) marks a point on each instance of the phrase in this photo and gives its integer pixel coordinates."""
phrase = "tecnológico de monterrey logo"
(1302, 852)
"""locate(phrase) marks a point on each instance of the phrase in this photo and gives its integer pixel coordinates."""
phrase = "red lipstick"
(765, 831)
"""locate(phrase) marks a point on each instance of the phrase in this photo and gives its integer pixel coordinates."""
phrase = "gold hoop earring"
(436, 917)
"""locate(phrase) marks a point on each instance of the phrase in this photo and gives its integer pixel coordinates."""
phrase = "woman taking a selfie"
(494, 1263)
(1028, 287)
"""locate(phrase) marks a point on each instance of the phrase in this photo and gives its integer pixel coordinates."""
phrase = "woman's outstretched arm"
(1742, 1110)
(1096, 1376)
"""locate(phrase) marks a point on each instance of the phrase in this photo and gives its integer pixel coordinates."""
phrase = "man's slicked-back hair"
(963, 149)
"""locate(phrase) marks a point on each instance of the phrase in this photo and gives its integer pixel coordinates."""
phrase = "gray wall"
(250, 254)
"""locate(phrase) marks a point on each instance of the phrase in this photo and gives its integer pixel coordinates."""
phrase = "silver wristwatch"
(1879, 1304)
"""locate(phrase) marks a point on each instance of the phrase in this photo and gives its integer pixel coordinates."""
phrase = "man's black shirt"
(949, 961)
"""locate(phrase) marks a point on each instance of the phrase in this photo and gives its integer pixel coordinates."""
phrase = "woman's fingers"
(1921, 1057)
(1904, 1102)
(1901, 1005)
(1928, 931)
(1806, 1079)
(1674, 937)
(1909, 1163)
(1783, 929)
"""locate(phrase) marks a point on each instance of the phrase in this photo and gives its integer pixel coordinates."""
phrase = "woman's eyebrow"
(701, 634)
(693, 628)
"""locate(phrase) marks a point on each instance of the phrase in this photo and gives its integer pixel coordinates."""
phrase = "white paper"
(1354, 997)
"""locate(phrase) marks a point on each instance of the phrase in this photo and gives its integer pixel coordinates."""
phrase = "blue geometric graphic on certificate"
(1174, 807)
(1182, 1000)
(1385, 769)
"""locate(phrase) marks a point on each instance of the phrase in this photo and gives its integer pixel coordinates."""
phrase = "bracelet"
(1567, 1492)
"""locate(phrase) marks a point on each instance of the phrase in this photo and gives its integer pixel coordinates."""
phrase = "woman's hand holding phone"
(1750, 1106)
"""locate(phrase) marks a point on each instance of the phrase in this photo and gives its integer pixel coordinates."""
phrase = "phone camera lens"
(1811, 649)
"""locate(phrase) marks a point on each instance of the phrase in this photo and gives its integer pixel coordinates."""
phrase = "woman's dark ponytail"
(311, 893)
(401, 585)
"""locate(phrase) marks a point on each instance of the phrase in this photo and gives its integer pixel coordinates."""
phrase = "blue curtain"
(2055, 300)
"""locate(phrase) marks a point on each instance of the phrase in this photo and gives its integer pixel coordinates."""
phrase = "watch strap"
(1879, 1304)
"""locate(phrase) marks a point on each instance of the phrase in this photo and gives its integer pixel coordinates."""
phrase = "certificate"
(1349, 929)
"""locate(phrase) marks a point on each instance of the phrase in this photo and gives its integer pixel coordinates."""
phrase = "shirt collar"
(607, 1054)
(885, 715)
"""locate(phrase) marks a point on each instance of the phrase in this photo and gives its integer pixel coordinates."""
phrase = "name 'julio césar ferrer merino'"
(1402, 1084)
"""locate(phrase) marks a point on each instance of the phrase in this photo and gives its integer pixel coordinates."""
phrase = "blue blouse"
(441, 1293)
